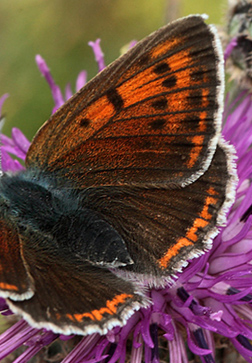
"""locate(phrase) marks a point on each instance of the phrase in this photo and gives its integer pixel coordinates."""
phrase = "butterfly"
(239, 33)
(124, 184)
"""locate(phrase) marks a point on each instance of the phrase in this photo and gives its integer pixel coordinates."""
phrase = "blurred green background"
(59, 30)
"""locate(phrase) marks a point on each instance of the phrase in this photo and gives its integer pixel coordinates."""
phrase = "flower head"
(239, 36)
(210, 300)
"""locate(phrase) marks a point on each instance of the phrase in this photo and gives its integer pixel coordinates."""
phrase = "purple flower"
(210, 301)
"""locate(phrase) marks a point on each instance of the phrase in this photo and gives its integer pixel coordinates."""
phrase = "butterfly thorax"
(35, 206)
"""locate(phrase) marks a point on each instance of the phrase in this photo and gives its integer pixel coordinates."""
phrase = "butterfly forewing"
(149, 119)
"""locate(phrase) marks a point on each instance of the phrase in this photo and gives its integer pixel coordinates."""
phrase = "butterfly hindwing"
(163, 229)
(151, 118)
(73, 296)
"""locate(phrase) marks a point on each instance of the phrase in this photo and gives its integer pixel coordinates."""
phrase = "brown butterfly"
(123, 184)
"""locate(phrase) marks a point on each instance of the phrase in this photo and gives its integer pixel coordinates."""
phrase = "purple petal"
(99, 56)
(68, 91)
(56, 92)
(232, 44)
(20, 140)
(81, 80)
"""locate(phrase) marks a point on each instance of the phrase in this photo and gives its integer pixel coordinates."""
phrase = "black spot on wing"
(115, 98)
(162, 68)
(84, 122)
(160, 104)
(170, 82)
(157, 124)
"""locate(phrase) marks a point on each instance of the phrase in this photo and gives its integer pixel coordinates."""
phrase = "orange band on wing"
(111, 308)
(196, 150)
(191, 236)
(5, 286)
(164, 47)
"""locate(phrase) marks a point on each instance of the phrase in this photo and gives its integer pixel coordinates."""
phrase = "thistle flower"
(209, 305)
(239, 35)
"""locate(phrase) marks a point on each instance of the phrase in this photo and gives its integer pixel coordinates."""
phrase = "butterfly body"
(35, 204)
(123, 185)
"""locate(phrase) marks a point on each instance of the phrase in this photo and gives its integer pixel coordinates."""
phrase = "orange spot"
(5, 286)
(205, 100)
(111, 308)
(196, 150)
(147, 83)
(202, 123)
(212, 191)
(79, 317)
(111, 305)
(141, 86)
(164, 47)
(98, 113)
(205, 214)
(191, 236)
(177, 101)
(198, 223)
(182, 242)
(183, 77)
(179, 61)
